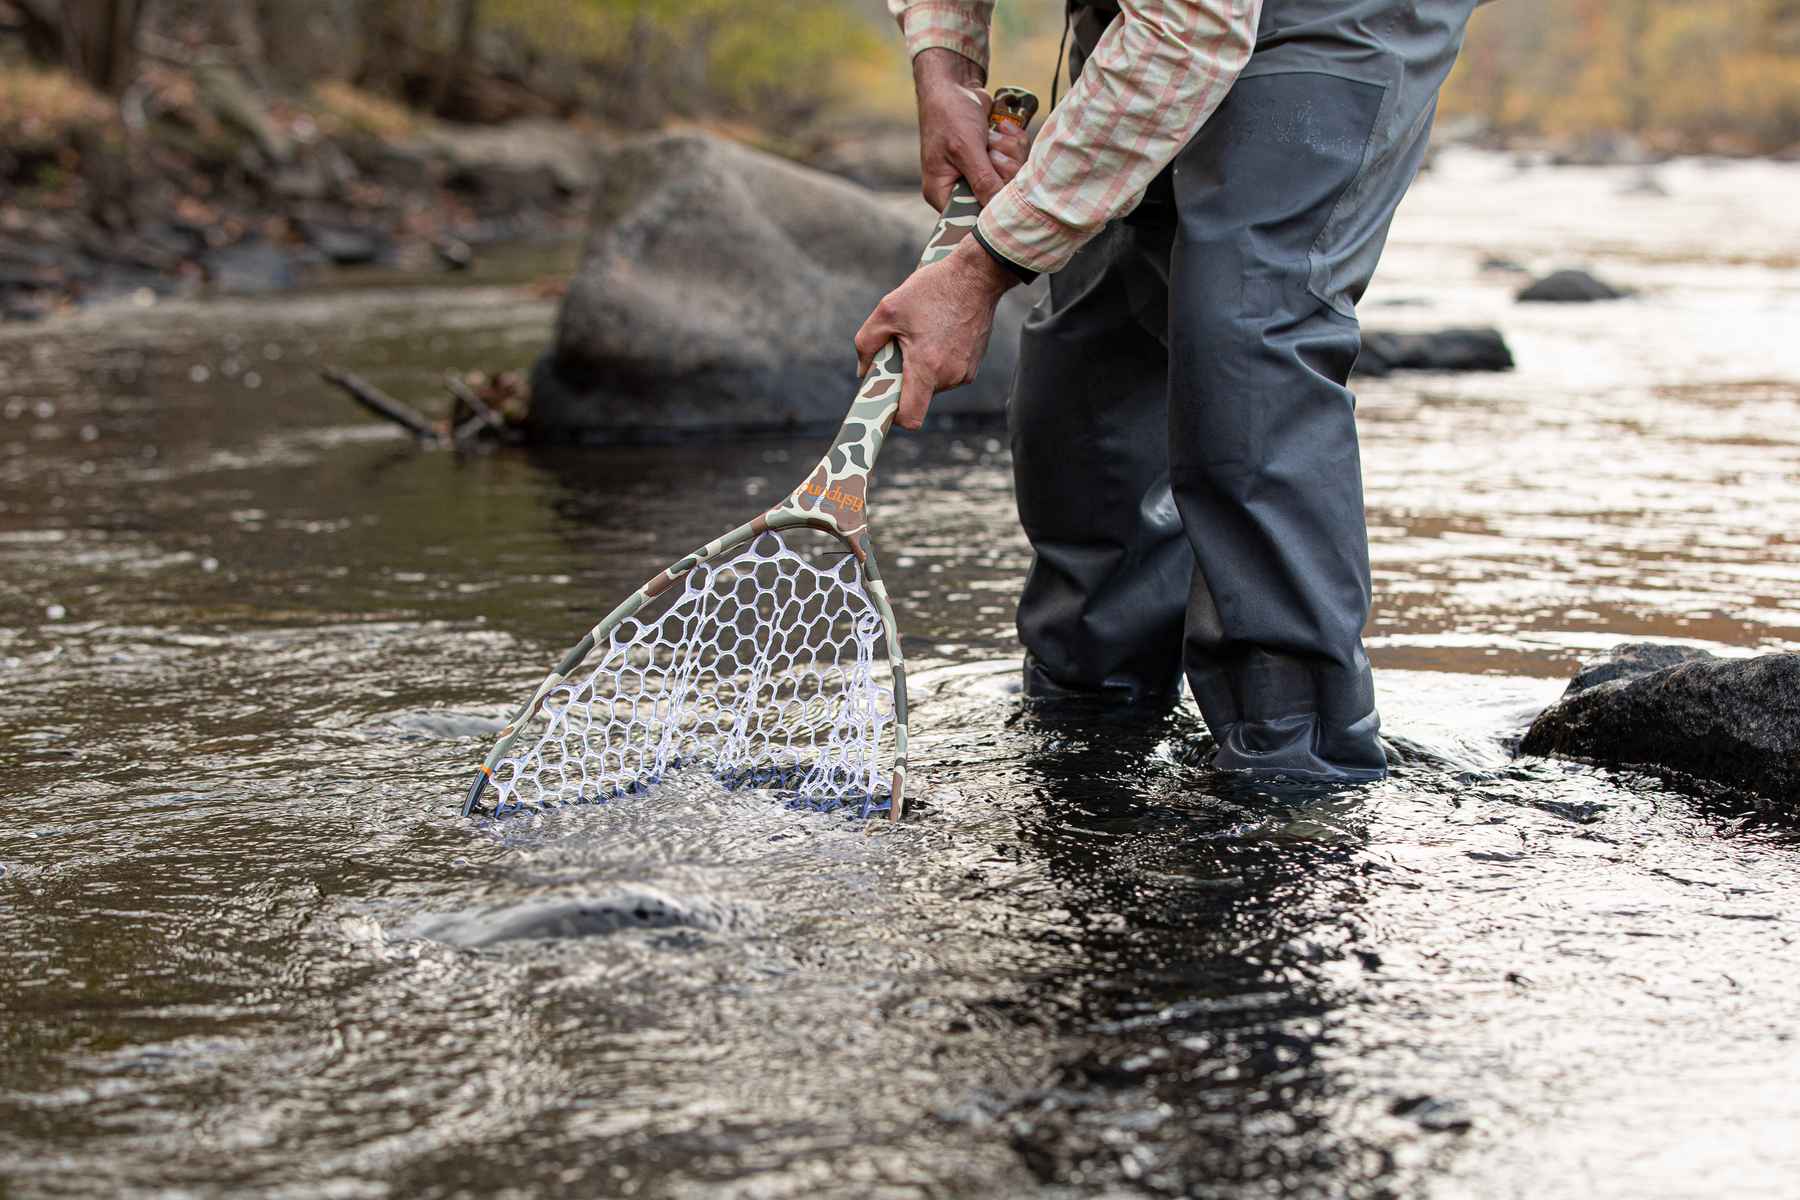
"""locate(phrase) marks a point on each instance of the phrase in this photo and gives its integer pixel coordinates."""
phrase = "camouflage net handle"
(835, 496)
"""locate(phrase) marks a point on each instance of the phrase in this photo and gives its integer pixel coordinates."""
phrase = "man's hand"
(942, 316)
(954, 140)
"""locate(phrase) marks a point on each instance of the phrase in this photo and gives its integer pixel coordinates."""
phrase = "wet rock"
(1433, 1114)
(347, 246)
(1479, 349)
(305, 179)
(454, 253)
(175, 240)
(719, 291)
(250, 267)
(588, 916)
(1632, 659)
(1728, 720)
(1569, 286)
(27, 286)
(24, 306)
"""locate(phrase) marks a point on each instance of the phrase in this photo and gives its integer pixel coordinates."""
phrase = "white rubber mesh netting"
(766, 670)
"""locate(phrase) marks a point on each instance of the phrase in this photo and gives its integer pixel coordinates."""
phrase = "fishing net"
(768, 670)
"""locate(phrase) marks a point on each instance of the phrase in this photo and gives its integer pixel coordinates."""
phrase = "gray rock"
(1733, 721)
(249, 267)
(530, 154)
(347, 245)
(885, 157)
(1632, 659)
(1569, 286)
(1478, 349)
(719, 292)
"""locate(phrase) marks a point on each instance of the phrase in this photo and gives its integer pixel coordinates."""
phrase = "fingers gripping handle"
(834, 494)
(879, 397)
(1011, 112)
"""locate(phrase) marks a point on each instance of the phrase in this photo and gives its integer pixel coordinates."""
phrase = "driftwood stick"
(468, 431)
(382, 404)
(484, 412)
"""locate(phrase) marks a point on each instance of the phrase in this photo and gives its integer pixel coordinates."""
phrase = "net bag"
(766, 670)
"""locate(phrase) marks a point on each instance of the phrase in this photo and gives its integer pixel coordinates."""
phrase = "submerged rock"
(1479, 349)
(719, 292)
(1734, 721)
(1569, 286)
(630, 907)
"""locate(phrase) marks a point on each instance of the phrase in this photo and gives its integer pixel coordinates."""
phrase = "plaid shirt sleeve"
(959, 25)
(1158, 73)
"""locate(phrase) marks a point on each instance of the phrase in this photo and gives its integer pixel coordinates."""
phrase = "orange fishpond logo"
(836, 495)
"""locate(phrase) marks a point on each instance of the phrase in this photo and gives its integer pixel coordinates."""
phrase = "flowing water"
(251, 643)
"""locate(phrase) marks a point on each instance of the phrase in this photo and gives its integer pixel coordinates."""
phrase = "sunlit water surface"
(251, 644)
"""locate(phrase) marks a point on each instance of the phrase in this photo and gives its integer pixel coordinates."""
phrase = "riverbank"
(202, 185)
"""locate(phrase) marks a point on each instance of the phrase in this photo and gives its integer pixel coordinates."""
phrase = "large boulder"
(719, 293)
(1476, 349)
(1734, 721)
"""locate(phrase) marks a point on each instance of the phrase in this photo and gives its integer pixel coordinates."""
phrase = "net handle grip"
(835, 494)
(1010, 112)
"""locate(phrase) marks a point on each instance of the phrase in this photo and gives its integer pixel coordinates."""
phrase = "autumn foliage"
(1679, 75)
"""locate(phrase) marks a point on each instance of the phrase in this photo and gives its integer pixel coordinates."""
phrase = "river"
(251, 644)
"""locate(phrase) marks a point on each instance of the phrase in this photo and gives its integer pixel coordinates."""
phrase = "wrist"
(978, 266)
(937, 66)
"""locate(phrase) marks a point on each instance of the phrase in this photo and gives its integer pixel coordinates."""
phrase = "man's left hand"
(942, 316)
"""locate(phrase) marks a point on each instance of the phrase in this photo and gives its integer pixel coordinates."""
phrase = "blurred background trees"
(1678, 75)
(634, 62)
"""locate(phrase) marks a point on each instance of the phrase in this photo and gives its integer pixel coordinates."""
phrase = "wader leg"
(1101, 613)
(1284, 199)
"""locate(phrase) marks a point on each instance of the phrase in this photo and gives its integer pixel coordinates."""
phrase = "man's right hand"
(953, 130)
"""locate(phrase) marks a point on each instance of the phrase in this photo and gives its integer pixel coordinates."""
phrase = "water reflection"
(1194, 925)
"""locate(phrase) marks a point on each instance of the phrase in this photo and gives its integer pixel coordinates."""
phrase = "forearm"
(957, 25)
(1158, 73)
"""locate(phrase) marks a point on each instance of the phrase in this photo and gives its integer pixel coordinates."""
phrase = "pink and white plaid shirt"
(1158, 73)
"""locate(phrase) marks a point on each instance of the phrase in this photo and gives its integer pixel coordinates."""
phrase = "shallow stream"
(251, 644)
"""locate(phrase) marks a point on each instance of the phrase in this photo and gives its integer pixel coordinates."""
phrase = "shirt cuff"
(1026, 236)
(946, 24)
(1022, 274)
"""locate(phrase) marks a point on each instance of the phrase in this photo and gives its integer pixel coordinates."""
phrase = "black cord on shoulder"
(1062, 48)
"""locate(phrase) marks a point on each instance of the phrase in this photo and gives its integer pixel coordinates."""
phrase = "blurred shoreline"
(159, 148)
